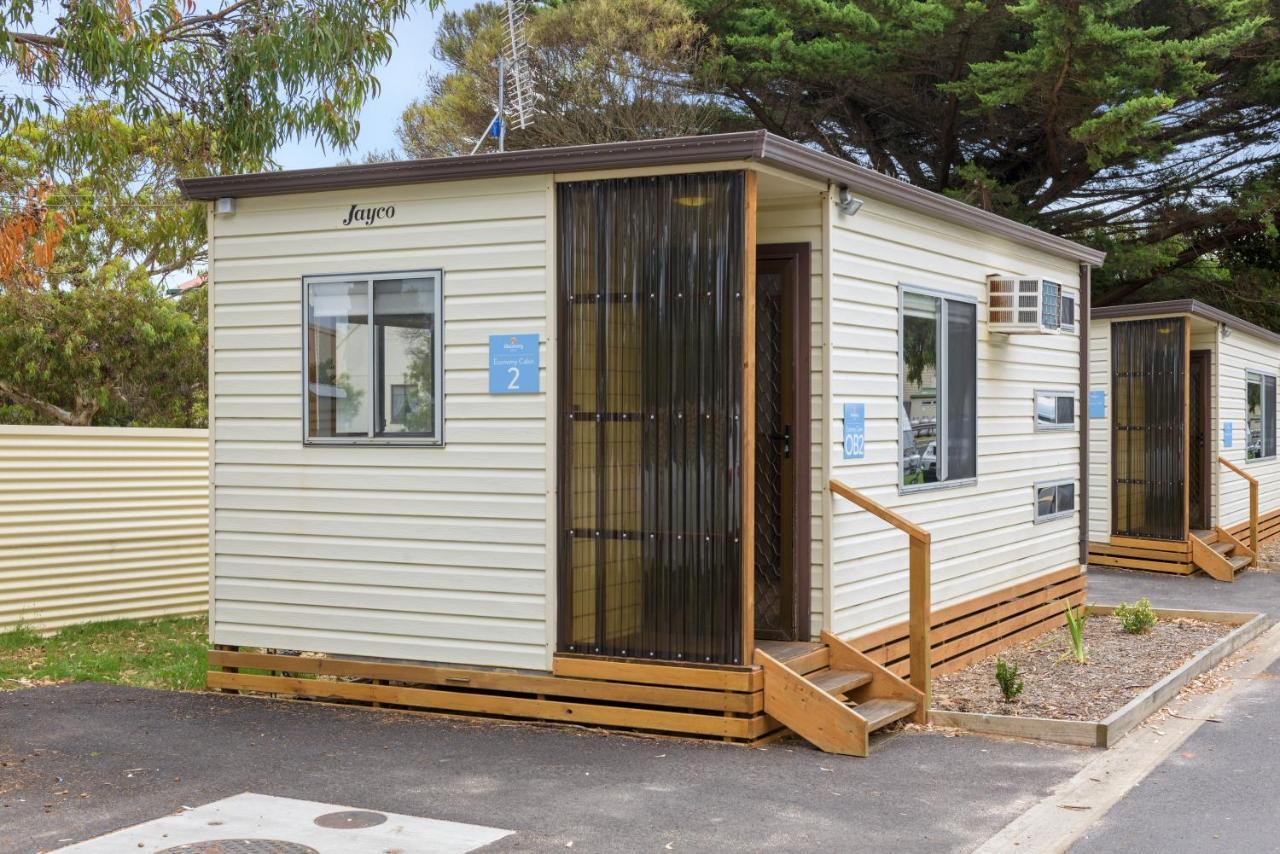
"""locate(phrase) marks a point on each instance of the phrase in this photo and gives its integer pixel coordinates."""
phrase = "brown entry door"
(782, 443)
(1200, 464)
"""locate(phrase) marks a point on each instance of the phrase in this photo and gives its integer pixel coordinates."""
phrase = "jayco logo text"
(368, 216)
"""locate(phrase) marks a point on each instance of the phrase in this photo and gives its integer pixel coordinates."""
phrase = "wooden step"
(1239, 562)
(801, 656)
(882, 711)
(1222, 548)
(1206, 535)
(1212, 561)
(814, 703)
(839, 681)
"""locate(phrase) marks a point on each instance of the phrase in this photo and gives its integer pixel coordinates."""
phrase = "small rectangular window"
(1055, 410)
(938, 406)
(1068, 312)
(1055, 500)
(1260, 416)
(372, 352)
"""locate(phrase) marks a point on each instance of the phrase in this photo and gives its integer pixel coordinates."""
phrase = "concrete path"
(136, 755)
(1251, 591)
(1219, 791)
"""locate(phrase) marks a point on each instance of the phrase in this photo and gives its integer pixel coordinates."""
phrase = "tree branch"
(82, 417)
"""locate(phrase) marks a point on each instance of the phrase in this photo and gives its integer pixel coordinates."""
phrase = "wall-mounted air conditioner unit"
(1023, 305)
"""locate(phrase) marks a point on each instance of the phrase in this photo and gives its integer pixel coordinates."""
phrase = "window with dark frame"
(1260, 415)
(938, 387)
(1055, 500)
(372, 352)
(1055, 410)
(1067, 312)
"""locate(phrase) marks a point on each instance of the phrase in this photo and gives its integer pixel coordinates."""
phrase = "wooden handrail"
(1253, 503)
(919, 585)
(876, 509)
(1235, 468)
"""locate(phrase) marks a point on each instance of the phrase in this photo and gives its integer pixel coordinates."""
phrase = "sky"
(402, 78)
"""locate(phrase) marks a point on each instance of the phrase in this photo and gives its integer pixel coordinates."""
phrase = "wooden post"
(1253, 520)
(1186, 429)
(749, 418)
(921, 617)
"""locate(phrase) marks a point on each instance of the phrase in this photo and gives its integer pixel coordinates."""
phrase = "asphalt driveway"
(80, 760)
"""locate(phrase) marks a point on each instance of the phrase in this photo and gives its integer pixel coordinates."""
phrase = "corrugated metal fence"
(99, 523)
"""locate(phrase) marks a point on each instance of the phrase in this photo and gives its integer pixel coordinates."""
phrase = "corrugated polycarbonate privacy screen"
(1148, 379)
(650, 289)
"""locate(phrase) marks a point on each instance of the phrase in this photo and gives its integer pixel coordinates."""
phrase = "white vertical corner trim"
(211, 238)
(828, 413)
(551, 371)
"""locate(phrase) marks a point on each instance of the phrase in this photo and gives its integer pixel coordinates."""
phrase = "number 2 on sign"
(514, 385)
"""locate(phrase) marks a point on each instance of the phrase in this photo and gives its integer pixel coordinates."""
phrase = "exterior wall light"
(846, 202)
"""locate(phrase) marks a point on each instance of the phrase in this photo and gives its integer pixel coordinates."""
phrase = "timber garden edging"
(1109, 730)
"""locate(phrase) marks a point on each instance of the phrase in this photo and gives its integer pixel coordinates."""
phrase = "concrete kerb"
(1056, 822)
(1109, 730)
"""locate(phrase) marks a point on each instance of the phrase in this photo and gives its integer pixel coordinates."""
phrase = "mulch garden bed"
(1120, 667)
(1268, 556)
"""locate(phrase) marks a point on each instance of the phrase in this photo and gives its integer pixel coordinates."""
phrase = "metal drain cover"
(241, 846)
(352, 819)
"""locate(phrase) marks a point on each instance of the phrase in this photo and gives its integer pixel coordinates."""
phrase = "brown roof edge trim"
(759, 145)
(790, 155)
(577, 158)
(1193, 307)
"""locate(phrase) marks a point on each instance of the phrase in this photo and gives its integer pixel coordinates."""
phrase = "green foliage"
(111, 353)
(166, 653)
(1076, 620)
(1007, 677)
(1138, 618)
(255, 74)
(127, 221)
(1143, 127)
(90, 339)
(604, 70)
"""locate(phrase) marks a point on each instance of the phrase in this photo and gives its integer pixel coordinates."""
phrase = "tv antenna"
(514, 78)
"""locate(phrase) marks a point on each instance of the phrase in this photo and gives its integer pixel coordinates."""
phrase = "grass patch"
(165, 653)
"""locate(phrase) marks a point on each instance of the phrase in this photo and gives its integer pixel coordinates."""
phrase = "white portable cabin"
(1182, 438)
(581, 411)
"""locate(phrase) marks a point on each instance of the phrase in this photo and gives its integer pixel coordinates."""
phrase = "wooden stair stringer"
(884, 682)
(1225, 536)
(1206, 558)
(809, 712)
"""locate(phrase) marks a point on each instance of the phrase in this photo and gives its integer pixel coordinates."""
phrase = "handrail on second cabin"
(1253, 503)
(919, 585)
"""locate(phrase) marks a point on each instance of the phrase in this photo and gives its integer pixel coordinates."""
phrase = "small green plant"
(1076, 619)
(1138, 618)
(1007, 677)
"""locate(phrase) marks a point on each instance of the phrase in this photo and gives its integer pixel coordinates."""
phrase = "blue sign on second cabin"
(513, 364)
(1226, 435)
(1097, 403)
(855, 431)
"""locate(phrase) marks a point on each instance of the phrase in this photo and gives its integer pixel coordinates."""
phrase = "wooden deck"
(698, 702)
(1173, 556)
(977, 628)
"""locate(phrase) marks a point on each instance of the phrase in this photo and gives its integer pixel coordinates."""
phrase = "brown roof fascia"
(759, 146)
(1193, 307)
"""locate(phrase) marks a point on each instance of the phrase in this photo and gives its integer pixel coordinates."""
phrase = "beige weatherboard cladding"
(447, 554)
(433, 554)
(984, 533)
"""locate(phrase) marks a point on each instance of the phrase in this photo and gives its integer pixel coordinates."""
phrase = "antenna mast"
(514, 78)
